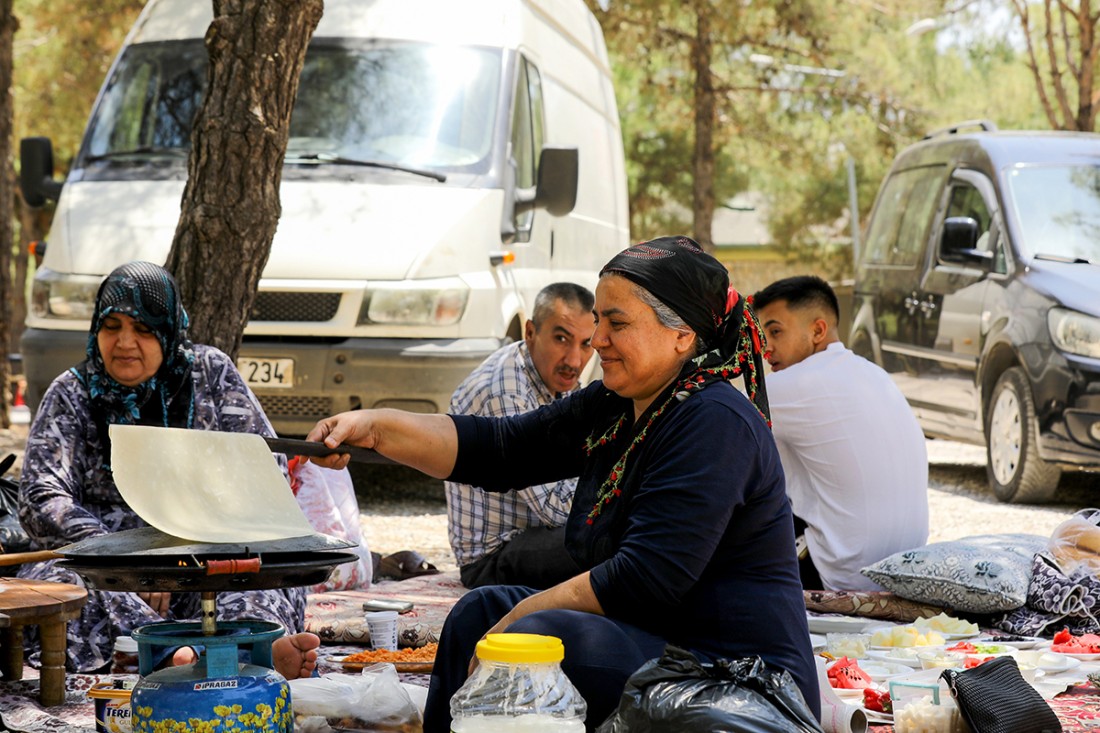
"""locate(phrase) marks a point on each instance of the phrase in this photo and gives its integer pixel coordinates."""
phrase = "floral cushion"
(868, 604)
(1056, 600)
(980, 574)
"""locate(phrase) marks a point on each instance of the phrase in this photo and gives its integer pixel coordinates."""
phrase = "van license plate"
(267, 373)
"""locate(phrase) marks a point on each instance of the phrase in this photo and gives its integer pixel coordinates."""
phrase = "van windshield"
(408, 105)
(1058, 210)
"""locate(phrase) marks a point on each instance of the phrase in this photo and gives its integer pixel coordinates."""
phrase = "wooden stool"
(50, 606)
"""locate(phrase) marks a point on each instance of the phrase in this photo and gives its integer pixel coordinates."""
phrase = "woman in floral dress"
(140, 369)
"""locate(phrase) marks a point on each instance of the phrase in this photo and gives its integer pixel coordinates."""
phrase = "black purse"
(995, 698)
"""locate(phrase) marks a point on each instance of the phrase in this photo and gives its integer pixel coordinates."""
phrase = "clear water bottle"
(518, 686)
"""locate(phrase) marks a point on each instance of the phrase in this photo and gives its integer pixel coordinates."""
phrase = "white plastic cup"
(383, 629)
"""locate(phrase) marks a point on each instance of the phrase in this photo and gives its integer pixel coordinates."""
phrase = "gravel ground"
(403, 510)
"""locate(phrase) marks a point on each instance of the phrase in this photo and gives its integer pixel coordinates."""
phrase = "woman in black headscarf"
(680, 519)
(140, 369)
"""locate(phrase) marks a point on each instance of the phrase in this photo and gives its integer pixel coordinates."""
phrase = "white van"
(446, 161)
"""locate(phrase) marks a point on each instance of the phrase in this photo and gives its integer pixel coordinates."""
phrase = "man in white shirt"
(852, 451)
(518, 537)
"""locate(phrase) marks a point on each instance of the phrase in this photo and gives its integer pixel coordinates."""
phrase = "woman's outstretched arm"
(428, 443)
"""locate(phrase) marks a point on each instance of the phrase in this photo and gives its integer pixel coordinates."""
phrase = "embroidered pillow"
(980, 574)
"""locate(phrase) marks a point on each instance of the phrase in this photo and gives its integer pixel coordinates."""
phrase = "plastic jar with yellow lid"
(518, 685)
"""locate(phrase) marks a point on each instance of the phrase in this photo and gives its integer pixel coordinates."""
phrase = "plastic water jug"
(518, 686)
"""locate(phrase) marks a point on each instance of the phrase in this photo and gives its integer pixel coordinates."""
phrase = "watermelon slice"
(846, 675)
(1067, 643)
(963, 646)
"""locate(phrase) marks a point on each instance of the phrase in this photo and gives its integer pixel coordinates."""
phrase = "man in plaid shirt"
(517, 537)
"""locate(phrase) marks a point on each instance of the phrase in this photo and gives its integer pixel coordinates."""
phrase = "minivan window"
(527, 136)
(966, 200)
(414, 104)
(1058, 210)
(899, 227)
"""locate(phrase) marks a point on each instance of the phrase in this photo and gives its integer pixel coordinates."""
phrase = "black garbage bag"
(676, 693)
(12, 536)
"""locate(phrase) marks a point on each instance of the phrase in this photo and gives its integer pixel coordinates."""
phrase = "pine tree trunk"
(7, 291)
(230, 206)
(705, 117)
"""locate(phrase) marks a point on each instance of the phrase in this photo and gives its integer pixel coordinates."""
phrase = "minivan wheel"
(1016, 472)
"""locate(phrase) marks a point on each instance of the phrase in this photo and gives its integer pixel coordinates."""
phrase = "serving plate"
(857, 701)
(882, 670)
(958, 637)
(886, 656)
(873, 716)
(983, 649)
(851, 624)
(919, 647)
(410, 667)
(1025, 643)
(1056, 662)
(849, 695)
(1079, 657)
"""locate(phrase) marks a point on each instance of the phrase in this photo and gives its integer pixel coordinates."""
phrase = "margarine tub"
(112, 706)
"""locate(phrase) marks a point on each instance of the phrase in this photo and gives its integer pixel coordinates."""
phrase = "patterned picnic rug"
(1078, 708)
(20, 711)
(337, 617)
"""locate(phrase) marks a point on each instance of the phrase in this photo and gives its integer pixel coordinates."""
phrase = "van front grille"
(289, 406)
(271, 306)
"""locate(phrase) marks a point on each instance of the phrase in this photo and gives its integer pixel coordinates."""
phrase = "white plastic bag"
(372, 701)
(1075, 544)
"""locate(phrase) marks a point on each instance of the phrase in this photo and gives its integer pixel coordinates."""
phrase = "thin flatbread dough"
(204, 485)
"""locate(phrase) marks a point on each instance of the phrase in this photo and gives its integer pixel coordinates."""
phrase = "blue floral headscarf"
(147, 293)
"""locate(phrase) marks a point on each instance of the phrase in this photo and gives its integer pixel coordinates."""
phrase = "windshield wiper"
(143, 150)
(341, 160)
(1063, 258)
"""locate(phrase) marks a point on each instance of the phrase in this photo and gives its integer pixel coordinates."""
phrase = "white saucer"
(1056, 662)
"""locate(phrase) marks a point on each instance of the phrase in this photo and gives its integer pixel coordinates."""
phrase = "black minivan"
(978, 290)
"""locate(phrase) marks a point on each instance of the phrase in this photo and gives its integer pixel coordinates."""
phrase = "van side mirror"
(557, 186)
(958, 244)
(36, 171)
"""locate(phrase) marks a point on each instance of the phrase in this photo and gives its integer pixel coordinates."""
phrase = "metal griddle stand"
(146, 559)
(221, 646)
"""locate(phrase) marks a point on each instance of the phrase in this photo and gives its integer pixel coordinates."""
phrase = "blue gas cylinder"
(218, 693)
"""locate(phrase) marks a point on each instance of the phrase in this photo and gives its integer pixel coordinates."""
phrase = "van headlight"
(415, 302)
(63, 296)
(1074, 332)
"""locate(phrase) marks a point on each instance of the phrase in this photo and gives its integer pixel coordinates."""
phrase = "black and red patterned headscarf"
(677, 272)
(697, 288)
